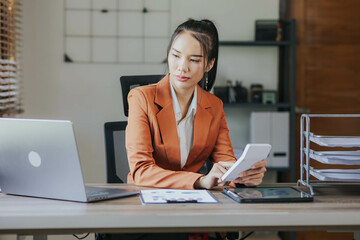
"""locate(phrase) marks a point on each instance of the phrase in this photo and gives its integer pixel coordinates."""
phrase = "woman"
(175, 125)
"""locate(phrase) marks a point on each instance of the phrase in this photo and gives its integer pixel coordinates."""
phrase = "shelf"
(258, 105)
(285, 89)
(255, 43)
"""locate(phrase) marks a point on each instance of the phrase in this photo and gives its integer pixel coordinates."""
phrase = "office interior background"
(89, 94)
(87, 91)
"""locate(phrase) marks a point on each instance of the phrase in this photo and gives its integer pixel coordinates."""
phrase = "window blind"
(10, 57)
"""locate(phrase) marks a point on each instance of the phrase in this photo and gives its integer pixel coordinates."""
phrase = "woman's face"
(186, 62)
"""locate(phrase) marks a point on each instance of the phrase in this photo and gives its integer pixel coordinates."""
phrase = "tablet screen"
(267, 194)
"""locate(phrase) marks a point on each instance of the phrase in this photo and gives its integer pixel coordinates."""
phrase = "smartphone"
(253, 153)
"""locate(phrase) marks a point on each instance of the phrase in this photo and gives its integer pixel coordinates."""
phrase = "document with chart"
(168, 196)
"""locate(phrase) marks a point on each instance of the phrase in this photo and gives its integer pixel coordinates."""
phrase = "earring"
(206, 79)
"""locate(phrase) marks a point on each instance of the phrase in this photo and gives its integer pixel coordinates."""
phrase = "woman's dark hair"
(206, 33)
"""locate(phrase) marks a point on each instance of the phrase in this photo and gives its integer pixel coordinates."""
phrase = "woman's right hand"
(212, 178)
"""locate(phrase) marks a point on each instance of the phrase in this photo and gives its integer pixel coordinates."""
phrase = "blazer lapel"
(167, 123)
(202, 122)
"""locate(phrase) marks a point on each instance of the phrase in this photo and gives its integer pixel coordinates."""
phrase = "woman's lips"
(182, 78)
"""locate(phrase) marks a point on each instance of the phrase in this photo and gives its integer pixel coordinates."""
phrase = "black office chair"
(130, 82)
(117, 166)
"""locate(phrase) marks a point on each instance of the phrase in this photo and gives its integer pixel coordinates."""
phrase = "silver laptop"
(39, 158)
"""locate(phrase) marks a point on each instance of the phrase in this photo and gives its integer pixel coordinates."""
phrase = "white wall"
(90, 94)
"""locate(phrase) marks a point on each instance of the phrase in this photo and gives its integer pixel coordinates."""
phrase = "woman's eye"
(177, 56)
(195, 60)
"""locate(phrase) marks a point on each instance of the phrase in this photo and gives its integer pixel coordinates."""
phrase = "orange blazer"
(152, 141)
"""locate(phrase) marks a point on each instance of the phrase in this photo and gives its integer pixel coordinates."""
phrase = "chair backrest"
(129, 82)
(117, 167)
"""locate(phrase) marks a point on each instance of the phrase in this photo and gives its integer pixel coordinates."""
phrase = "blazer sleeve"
(223, 150)
(139, 145)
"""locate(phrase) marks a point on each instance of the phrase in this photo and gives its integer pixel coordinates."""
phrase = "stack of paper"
(335, 141)
(336, 157)
(336, 175)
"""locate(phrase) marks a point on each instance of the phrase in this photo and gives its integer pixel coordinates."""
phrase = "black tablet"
(267, 195)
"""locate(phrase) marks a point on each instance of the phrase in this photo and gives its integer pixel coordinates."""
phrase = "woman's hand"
(253, 176)
(249, 178)
(212, 178)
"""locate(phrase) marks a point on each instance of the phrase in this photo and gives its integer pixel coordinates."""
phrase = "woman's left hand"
(253, 176)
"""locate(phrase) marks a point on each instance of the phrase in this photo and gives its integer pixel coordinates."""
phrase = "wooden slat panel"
(332, 90)
(332, 22)
(332, 12)
(324, 235)
(329, 79)
(332, 101)
(321, 33)
(333, 56)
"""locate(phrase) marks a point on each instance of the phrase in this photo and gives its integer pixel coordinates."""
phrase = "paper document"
(335, 141)
(334, 175)
(336, 157)
(165, 196)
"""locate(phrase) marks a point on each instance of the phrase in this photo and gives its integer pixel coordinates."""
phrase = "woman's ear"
(210, 65)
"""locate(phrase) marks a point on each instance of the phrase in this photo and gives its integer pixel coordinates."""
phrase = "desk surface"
(333, 209)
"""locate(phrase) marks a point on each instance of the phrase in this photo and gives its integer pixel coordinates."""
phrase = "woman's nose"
(183, 65)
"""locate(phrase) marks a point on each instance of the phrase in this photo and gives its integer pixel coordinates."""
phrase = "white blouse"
(185, 128)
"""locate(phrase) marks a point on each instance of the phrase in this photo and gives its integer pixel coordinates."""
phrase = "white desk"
(332, 210)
